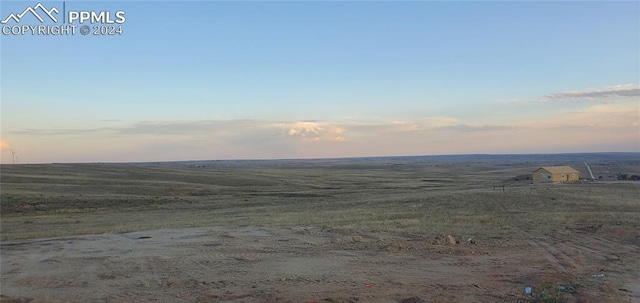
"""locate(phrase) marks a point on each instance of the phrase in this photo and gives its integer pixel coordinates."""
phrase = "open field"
(346, 230)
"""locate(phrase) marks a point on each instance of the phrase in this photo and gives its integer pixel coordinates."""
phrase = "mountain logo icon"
(34, 11)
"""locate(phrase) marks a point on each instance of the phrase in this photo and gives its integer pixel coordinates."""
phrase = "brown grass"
(444, 198)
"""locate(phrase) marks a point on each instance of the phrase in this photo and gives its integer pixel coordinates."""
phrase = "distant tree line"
(622, 176)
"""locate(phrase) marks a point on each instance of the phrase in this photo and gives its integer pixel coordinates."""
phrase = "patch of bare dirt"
(254, 264)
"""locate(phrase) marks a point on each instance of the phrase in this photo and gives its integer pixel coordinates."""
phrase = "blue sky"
(224, 80)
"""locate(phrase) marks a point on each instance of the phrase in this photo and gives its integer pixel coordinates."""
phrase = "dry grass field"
(406, 229)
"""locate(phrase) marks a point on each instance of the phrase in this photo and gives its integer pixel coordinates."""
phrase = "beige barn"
(555, 174)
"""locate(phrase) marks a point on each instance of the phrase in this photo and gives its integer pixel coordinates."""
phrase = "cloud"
(475, 128)
(605, 115)
(400, 126)
(212, 130)
(161, 128)
(596, 95)
(188, 127)
(580, 128)
(599, 115)
(314, 131)
(61, 131)
(424, 123)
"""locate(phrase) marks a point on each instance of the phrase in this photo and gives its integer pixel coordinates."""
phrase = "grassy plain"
(464, 196)
(395, 194)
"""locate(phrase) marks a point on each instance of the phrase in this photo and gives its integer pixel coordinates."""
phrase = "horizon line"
(331, 158)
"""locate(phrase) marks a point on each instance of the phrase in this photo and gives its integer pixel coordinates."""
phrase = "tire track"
(558, 258)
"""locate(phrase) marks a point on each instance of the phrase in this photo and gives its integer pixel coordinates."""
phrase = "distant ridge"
(541, 159)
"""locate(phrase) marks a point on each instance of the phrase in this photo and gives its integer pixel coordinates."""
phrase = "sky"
(207, 80)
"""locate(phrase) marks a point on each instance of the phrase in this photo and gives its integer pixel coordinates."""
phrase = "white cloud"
(313, 131)
(582, 127)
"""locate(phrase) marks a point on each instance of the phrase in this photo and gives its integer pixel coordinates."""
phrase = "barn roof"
(559, 169)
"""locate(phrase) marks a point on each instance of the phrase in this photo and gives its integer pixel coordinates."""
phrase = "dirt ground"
(255, 264)
(409, 230)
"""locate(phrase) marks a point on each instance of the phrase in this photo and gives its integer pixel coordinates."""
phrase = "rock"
(437, 240)
(356, 238)
(397, 247)
(451, 239)
(567, 288)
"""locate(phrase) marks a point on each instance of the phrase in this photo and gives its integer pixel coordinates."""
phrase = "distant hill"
(535, 160)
